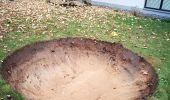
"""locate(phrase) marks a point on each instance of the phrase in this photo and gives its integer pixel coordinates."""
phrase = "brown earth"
(79, 69)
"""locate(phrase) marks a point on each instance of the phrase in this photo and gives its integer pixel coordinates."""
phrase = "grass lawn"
(148, 37)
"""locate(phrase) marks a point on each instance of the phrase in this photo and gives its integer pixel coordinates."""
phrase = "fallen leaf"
(145, 47)
(114, 34)
(153, 37)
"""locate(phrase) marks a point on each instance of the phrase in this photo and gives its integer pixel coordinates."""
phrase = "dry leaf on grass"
(114, 34)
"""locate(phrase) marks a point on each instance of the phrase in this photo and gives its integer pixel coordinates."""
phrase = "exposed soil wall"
(79, 69)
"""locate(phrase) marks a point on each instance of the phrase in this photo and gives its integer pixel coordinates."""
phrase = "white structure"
(160, 8)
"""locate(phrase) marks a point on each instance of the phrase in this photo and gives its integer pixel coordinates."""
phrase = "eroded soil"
(79, 69)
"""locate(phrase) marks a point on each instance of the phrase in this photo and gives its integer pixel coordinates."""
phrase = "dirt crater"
(79, 69)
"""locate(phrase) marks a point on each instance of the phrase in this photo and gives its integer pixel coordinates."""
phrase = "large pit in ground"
(79, 69)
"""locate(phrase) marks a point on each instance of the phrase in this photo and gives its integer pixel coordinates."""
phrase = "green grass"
(147, 37)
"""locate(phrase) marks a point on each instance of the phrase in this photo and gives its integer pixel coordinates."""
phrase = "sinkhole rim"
(84, 43)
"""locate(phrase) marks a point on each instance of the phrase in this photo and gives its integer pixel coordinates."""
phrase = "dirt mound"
(79, 69)
(69, 3)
